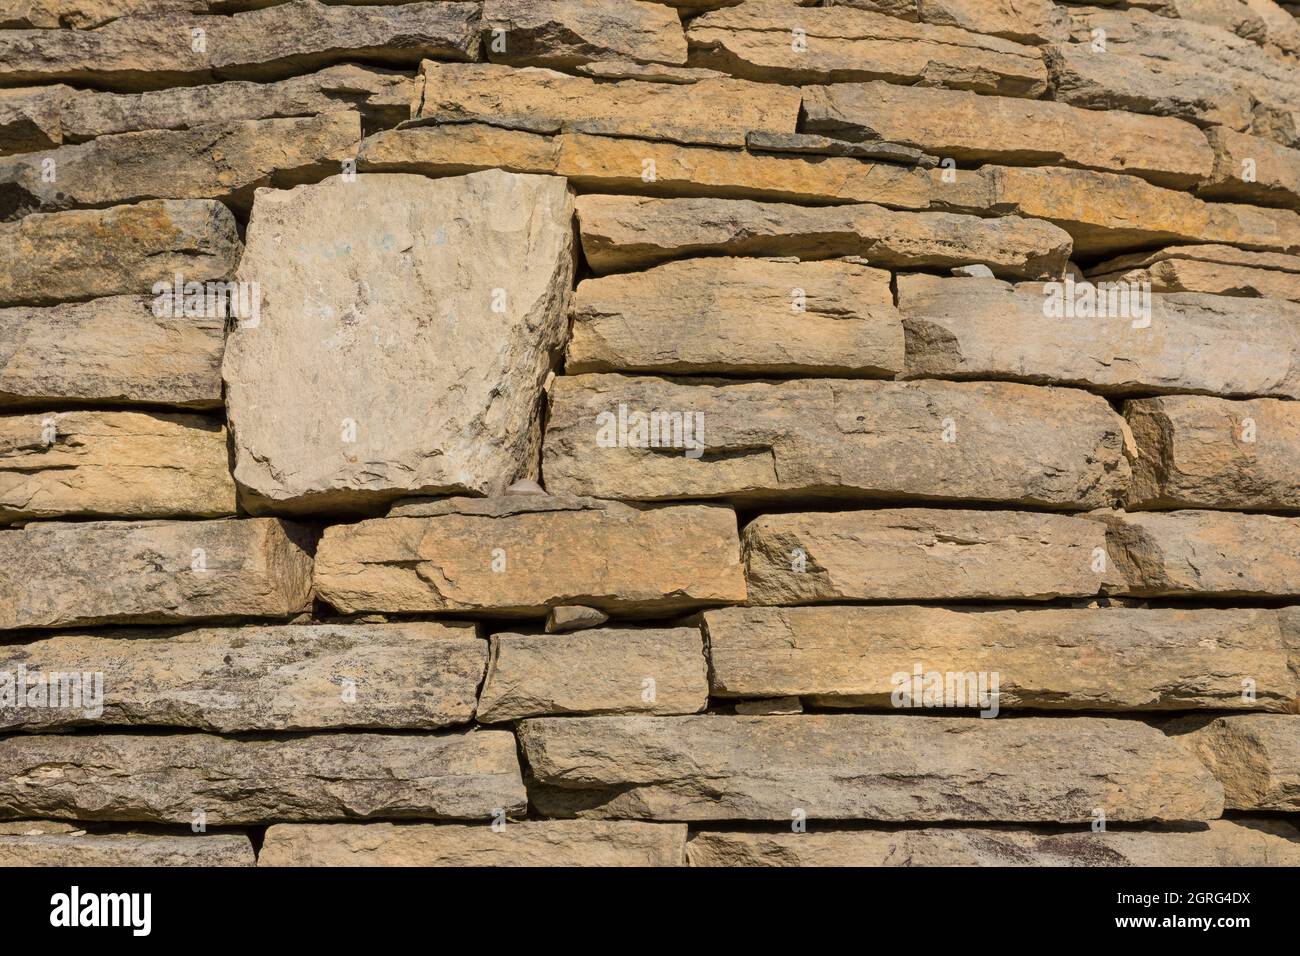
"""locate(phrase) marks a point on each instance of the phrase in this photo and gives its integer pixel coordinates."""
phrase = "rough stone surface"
(920, 554)
(601, 671)
(132, 464)
(553, 551)
(67, 846)
(852, 439)
(1027, 21)
(132, 53)
(1200, 452)
(747, 316)
(566, 33)
(623, 233)
(573, 617)
(1221, 270)
(864, 767)
(1205, 552)
(716, 112)
(85, 254)
(971, 328)
(529, 843)
(402, 374)
(86, 14)
(754, 40)
(56, 574)
(1222, 843)
(971, 128)
(165, 779)
(216, 161)
(1273, 170)
(409, 676)
(30, 118)
(1111, 659)
(1256, 757)
(111, 350)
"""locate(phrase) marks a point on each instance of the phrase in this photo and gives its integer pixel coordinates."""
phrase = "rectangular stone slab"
(56, 574)
(739, 316)
(46, 843)
(1093, 659)
(430, 386)
(132, 53)
(983, 328)
(1221, 270)
(132, 464)
(167, 779)
(528, 843)
(551, 551)
(717, 111)
(1273, 170)
(1238, 842)
(756, 40)
(595, 671)
(566, 33)
(84, 254)
(410, 676)
(864, 767)
(114, 350)
(970, 128)
(1256, 757)
(623, 233)
(1200, 452)
(922, 554)
(809, 438)
(1218, 553)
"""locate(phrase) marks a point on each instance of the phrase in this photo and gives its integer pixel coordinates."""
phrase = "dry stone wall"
(616, 432)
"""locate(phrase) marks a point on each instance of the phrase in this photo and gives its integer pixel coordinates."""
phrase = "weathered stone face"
(29, 118)
(56, 574)
(165, 779)
(1222, 270)
(1255, 757)
(1026, 21)
(909, 554)
(1117, 659)
(128, 464)
(528, 843)
(863, 767)
(600, 671)
(520, 556)
(410, 676)
(739, 316)
(1275, 170)
(565, 33)
(851, 439)
(404, 348)
(36, 843)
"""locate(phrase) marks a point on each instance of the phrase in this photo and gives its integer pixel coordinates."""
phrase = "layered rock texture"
(625, 433)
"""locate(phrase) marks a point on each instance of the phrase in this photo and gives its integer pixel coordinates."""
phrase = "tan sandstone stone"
(864, 767)
(1222, 270)
(573, 617)
(443, 556)
(56, 574)
(1026, 21)
(69, 846)
(566, 33)
(1094, 659)
(87, 14)
(30, 118)
(1256, 757)
(408, 676)
(752, 316)
(1252, 169)
(165, 779)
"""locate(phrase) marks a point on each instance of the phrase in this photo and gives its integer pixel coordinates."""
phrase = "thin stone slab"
(39, 843)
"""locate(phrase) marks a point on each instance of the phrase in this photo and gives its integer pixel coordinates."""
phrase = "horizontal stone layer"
(1256, 757)
(970, 128)
(922, 554)
(781, 42)
(30, 118)
(56, 574)
(85, 254)
(1252, 169)
(1238, 842)
(132, 53)
(842, 767)
(45, 843)
(1026, 21)
(115, 349)
(621, 233)
(1199, 452)
(225, 161)
(409, 676)
(528, 843)
(1112, 659)
(520, 556)
(170, 778)
(798, 439)
(713, 111)
(1109, 340)
(739, 316)
(597, 671)
(132, 464)
(567, 33)
(1221, 270)
(1219, 553)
